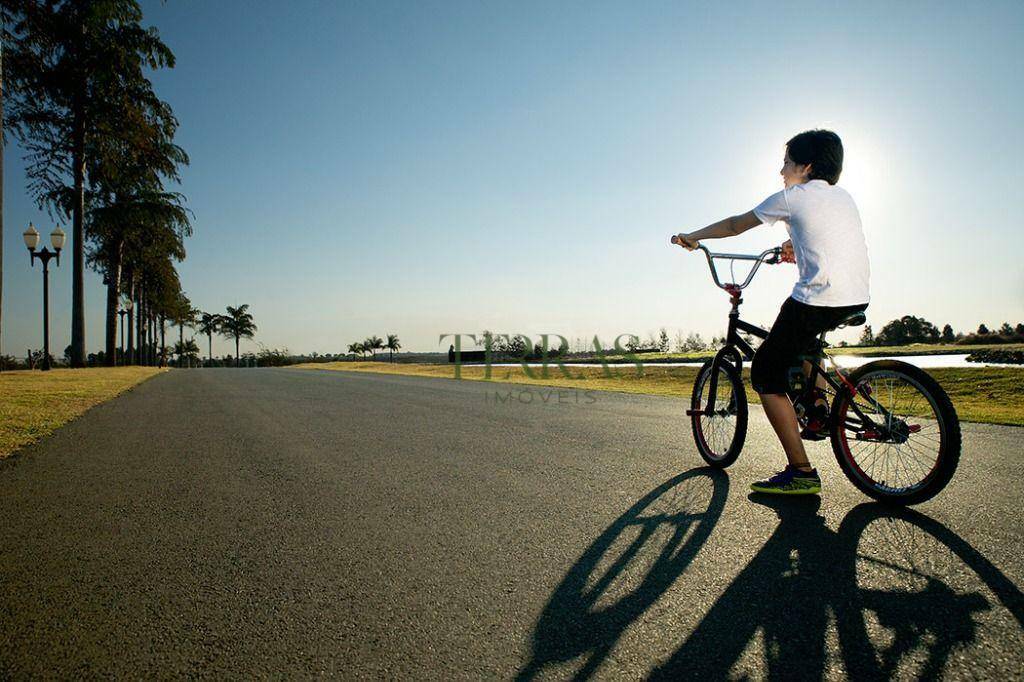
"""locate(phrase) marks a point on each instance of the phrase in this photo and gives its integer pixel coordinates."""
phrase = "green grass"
(34, 403)
(992, 395)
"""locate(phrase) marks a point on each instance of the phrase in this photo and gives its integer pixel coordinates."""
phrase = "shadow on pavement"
(901, 589)
(627, 569)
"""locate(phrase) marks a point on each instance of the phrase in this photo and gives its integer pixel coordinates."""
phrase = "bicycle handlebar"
(770, 256)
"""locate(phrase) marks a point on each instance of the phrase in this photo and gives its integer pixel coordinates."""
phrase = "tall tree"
(867, 337)
(3, 35)
(72, 65)
(373, 344)
(128, 200)
(237, 324)
(161, 288)
(187, 352)
(209, 324)
(183, 315)
(392, 345)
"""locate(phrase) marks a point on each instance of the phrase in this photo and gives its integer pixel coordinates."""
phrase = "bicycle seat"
(851, 320)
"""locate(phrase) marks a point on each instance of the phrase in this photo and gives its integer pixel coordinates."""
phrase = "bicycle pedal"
(811, 434)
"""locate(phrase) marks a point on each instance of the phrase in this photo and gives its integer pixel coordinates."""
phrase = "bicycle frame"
(736, 349)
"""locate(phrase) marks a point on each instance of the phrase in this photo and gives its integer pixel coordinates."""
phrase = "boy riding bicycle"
(827, 243)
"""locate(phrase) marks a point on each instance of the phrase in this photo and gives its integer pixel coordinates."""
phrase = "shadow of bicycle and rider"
(890, 580)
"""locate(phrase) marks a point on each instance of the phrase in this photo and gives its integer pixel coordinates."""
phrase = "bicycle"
(894, 431)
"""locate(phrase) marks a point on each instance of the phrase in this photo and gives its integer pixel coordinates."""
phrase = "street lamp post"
(121, 313)
(57, 238)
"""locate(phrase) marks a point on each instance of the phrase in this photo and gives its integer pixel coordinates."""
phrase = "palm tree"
(392, 345)
(186, 351)
(163, 291)
(355, 348)
(237, 324)
(209, 324)
(73, 67)
(183, 315)
(373, 343)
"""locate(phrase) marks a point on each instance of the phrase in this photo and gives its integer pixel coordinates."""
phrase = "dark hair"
(822, 149)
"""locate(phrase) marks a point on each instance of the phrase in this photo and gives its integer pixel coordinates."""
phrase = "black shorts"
(792, 337)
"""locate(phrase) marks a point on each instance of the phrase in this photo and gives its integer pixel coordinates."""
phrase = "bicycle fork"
(716, 365)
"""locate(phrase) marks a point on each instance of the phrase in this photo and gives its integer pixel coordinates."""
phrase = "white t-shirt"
(828, 241)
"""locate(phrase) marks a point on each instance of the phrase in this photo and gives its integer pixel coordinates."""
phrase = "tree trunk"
(113, 298)
(210, 337)
(163, 340)
(181, 340)
(110, 325)
(129, 351)
(140, 325)
(78, 240)
(1, 203)
(236, 351)
(145, 332)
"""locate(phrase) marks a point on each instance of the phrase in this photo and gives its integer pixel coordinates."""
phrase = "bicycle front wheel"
(719, 432)
(906, 446)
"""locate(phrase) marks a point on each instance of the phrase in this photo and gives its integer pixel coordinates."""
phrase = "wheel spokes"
(905, 446)
(718, 425)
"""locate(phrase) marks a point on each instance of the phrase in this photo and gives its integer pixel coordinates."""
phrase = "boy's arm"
(730, 227)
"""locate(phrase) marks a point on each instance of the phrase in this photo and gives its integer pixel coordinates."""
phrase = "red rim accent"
(848, 455)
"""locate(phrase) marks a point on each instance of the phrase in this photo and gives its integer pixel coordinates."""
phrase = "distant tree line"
(152, 349)
(372, 344)
(911, 329)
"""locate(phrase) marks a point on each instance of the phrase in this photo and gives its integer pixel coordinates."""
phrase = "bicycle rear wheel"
(720, 433)
(909, 448)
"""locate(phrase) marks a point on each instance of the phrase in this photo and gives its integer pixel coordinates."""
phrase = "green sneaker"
(790, 481)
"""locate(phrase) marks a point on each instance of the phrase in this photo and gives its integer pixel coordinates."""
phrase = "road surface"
(305, 523)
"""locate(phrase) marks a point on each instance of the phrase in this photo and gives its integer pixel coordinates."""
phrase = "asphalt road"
(301, 523)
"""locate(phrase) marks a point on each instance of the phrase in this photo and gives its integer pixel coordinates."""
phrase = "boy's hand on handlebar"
(684, 241)
(788, 256)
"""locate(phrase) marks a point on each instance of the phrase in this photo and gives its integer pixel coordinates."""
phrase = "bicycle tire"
(727, 455)
(948, 428)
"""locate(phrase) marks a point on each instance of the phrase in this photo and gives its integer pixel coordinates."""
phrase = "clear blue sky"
(436, 167)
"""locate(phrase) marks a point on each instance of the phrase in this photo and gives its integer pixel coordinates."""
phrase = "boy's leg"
(820, 380)
(780, 413)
